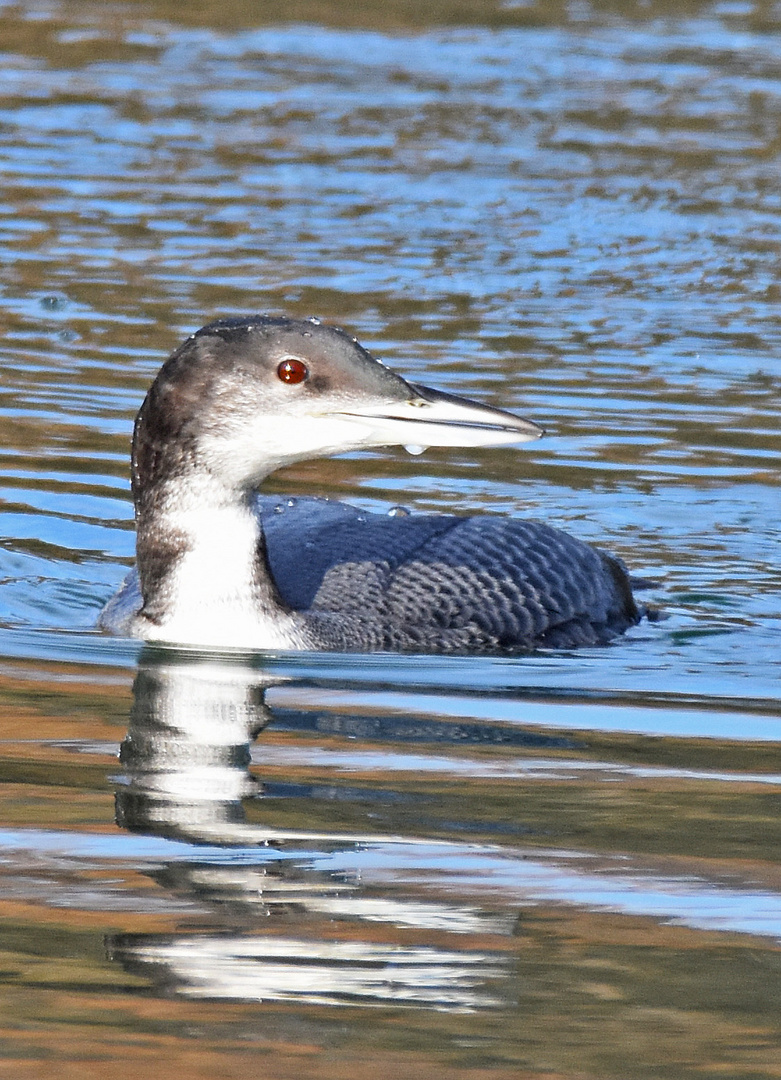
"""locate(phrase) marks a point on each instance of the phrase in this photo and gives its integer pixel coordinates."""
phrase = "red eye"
(292, 370)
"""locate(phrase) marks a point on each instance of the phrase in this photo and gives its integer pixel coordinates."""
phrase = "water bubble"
(414, 449)
(398, 511)
(53, 303)
(314, 320)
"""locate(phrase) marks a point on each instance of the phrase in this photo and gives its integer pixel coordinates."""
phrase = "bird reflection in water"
(186, 755)
(280, 928)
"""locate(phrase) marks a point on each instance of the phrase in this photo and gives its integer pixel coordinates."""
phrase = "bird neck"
(203, 569)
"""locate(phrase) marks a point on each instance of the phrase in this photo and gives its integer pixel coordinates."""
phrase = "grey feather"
(442, 583)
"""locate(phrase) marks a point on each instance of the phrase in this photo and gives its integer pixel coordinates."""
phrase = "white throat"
(214, 596)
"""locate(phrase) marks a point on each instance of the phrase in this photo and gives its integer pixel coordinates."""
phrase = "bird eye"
(292, 371)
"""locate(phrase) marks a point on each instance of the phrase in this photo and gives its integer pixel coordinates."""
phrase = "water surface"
(557, 865)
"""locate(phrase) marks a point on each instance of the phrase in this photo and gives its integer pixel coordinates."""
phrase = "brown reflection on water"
(588, 987)
(92, 946)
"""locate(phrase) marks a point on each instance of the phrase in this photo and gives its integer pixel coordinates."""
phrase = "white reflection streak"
(337, 973)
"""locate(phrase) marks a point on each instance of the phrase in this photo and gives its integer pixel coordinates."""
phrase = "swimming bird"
(219, 566)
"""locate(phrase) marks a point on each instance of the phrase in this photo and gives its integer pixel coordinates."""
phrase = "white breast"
(213, 596)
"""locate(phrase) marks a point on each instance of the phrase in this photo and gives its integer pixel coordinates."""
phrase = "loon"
(219, 566)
